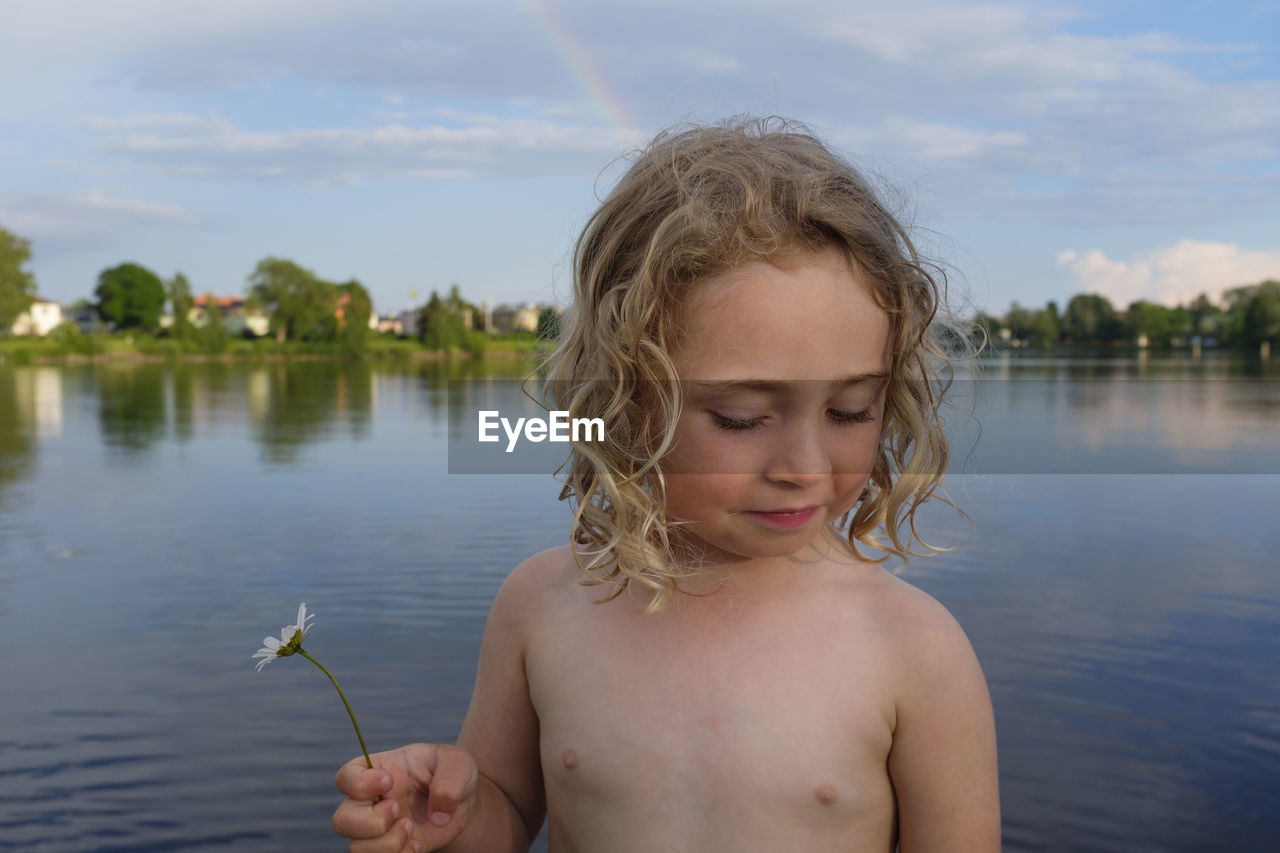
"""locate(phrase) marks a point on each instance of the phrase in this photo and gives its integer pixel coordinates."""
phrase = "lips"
(786, 519)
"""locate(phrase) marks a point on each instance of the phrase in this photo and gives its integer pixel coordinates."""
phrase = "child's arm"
(943, 759)
(489, 787)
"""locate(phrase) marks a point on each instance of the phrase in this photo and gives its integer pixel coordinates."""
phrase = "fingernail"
(439, 818)
(395, 809)
(417, 847)
(385, 782)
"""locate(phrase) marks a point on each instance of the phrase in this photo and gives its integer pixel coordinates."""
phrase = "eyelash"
(836, 415)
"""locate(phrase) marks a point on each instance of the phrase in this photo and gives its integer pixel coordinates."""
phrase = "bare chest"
(722, 720)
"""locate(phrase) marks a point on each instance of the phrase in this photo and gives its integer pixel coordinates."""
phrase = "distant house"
(409, 321)
(40, 319)
(389, 324)
(87, 320)
(510, 318)
(236, 318)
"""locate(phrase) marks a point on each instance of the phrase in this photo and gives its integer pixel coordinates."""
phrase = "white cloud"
(710, 62)
(87, 218)
(137, 209)
(1171, 274)
(926, 140)
(212, 146)
(1010, 111)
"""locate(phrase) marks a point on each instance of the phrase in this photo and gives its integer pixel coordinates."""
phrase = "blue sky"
(1127, 148)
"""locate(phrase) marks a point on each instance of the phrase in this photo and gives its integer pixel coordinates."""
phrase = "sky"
(1037, 150)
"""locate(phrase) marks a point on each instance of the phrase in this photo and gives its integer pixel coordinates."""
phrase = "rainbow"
(577, 59)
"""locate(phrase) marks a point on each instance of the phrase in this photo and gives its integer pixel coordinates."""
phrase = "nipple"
(826, 795)
(570, 759)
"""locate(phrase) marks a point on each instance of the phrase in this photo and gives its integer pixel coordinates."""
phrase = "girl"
(714, 663)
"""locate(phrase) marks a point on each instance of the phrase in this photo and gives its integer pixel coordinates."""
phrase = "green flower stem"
(350, 713)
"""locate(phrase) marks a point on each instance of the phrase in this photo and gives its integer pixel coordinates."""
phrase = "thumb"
(452, 785)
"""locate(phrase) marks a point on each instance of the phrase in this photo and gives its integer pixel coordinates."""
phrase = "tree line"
(1246, 317)
(300, 306)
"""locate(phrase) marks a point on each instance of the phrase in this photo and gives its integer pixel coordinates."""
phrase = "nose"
(801, 457)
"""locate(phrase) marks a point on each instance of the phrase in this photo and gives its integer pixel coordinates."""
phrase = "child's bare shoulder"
(932, 654)
(915, 613)
(538, 578)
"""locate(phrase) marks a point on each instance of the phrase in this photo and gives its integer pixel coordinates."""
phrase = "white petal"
(302, 616)
(270, 643)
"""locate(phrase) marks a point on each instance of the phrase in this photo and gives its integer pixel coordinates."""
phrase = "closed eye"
(842, 417)
(734, 424)
(836, 415)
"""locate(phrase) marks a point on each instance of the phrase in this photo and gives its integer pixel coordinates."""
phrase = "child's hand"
(426, 792)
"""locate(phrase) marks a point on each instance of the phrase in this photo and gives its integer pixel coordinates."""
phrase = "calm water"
(1119, 580)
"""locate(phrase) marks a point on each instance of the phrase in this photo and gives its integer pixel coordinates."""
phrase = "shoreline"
(6, 360)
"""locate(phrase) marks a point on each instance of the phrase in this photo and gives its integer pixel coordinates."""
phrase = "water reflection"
(294, 405)
(19, 424)
(1117, 416)
(132, 407)
(205, 397)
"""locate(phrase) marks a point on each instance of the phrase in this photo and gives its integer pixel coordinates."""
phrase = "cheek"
(854, 470)
(688, 495)
(706, 451)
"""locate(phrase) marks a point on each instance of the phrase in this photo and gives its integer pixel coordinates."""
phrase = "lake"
(1118, 577)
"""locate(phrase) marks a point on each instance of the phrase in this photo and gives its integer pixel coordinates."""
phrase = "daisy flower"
(290, 643)
(291, 637)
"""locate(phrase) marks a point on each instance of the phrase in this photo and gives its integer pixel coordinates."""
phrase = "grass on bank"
(67, 343)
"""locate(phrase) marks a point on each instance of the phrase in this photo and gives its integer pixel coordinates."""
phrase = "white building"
(40, 319)
(236, 318)
(509, 318)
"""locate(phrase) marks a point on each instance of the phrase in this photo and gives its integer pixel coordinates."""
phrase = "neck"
(711, 571)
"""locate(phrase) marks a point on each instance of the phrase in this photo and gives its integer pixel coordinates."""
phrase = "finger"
(454, 774)
(399, 838)
(358, 782)
(413, 845)
(362, 819)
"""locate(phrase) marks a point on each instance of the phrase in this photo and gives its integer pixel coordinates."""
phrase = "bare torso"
(743, 720)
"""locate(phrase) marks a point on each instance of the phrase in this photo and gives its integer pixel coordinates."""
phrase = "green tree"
(1038, 326)
(181, 301)
(1155, 321)
(1020, 321)
(1262, 314)
(1048, 327)
(549, 325)
(1044, 330)
(442, 326)
(131, 297)
(468, 315)
(300, 305)
(1206, 318)
(17, 286)
(1090, 317)
(356, 306)
(213, 337)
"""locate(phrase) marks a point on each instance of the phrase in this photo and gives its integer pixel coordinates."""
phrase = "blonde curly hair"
(696, 201)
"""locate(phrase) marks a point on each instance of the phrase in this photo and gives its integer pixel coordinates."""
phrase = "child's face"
(784, 368)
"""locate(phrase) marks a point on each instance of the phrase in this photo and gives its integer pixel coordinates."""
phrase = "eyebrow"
(773, 386)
